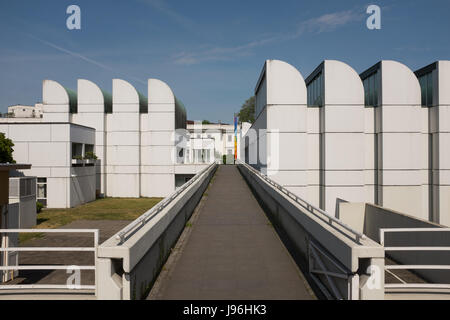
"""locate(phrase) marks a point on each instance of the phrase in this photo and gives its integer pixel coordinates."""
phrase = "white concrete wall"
(402, 152)
(369, 154)
(91, 113)
(158, 140)
(55, 102)
(279, 134)
(47, 147)
(313, 156)
(123, 142)
(342, 136)
(441, 148)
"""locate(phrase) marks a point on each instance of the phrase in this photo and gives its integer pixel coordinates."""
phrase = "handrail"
(383, 231)
(95, 232)
(144, 218)
(307, 205)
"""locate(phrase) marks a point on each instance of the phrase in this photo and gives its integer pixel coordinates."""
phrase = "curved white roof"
(342, 84)
(399, 84)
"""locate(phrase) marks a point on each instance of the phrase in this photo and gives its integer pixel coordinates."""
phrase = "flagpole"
(235, 138)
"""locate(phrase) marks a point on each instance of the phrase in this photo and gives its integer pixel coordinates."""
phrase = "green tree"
(206, 122)
(6, 149)
(247, 112)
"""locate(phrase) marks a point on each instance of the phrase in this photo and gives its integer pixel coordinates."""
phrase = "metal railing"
(321, 214)
(404, 285)
(332, 271)
(147, 216)
(7, 249)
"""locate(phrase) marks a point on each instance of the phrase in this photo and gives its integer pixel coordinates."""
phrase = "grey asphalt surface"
(232, 251)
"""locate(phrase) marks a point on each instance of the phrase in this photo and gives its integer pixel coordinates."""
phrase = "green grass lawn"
(101, 209)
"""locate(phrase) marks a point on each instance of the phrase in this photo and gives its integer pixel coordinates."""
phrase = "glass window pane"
(424, 90)
(376, 89)
(308, 94)
(366, 95)
(316, 91)
(42, 191)
(429, 89)
(319, 82)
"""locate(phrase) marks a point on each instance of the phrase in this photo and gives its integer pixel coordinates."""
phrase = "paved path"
(232, 251)
(107, 228)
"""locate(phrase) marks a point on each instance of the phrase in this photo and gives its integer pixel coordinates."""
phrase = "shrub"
(77, 157)
(6, 149)
(39, 206)
(224, 159)
(90, 155)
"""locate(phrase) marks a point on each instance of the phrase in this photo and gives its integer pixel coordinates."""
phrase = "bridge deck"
(231, 251)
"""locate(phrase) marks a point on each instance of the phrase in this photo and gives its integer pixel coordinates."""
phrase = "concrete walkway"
(231, 252)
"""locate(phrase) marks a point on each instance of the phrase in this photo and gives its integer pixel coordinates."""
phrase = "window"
(88, 148)
(229, 137)
(198, 156)
(315, 91)
(230, 151)
(77, 150)
(426, 87)
(41, 188)
(209, 136)
(371, 89)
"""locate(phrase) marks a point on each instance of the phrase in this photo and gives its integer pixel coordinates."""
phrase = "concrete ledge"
(127, 270)
(338, 251)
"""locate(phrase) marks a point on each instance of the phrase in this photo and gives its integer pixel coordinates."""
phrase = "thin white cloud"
(162, 7)
(330, 22)
(220, 53)
(324, 23)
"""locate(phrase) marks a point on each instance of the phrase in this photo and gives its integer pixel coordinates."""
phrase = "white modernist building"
(434, 81)
(20, 111)
(277, 140)
(336, 140)
(392, 95)
(90, 142)
(210, 142)
(61, 182)
(338, 136)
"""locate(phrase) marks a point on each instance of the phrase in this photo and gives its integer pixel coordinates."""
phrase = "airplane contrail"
(80, 56)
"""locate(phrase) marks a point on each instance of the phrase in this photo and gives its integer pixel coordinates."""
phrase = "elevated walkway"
(232, 251)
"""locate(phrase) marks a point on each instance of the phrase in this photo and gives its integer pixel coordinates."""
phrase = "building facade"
(51, 148)
(377, 137)
(210, 142)
(20, 111)
(434, 81)
(91, 143)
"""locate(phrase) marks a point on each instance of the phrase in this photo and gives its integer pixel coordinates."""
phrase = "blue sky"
(210, 52)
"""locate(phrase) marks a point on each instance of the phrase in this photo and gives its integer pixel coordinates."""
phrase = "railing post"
(96, 240)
